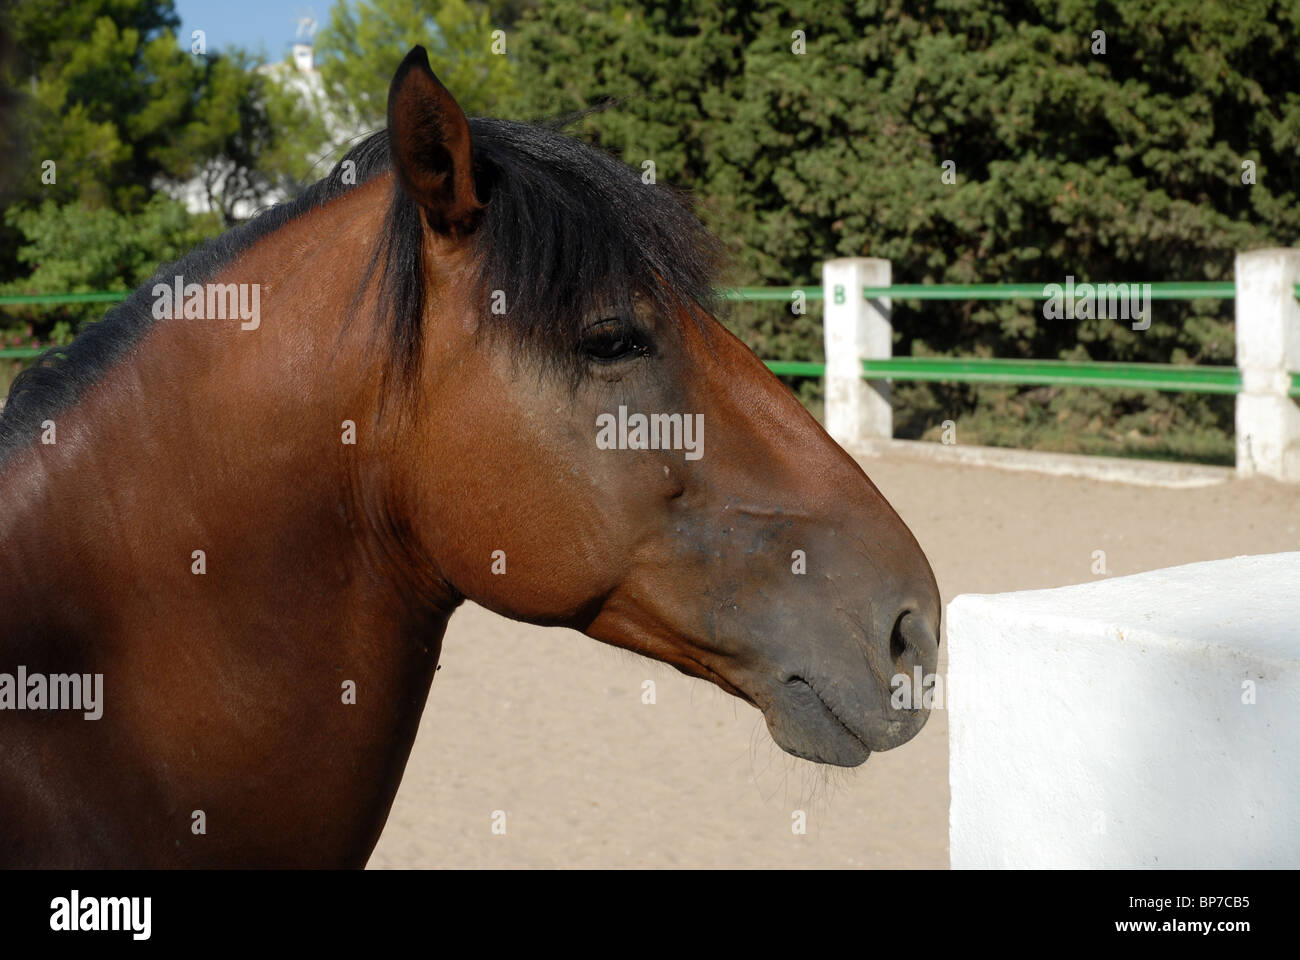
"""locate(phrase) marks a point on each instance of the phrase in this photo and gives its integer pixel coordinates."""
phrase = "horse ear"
(430, 143)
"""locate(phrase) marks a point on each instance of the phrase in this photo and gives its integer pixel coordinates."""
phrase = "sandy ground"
(548, 726)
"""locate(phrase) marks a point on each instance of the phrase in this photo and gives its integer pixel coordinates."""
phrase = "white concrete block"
(1268, 436)
(1143, 721)
(857, 411)
(1268, 350)
(1268, 313)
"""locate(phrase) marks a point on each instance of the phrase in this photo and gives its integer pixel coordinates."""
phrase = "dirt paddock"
(548, 726)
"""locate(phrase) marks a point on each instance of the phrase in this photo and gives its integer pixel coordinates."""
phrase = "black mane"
(567, 230)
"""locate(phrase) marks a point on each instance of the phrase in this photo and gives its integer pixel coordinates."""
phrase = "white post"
(857, 411)
(1268, 349)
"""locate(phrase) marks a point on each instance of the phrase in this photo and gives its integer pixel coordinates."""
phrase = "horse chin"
(805, 725)
(845, 751)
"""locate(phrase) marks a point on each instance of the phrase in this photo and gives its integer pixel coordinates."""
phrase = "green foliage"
(363, 43)
(69, 248)
(1114, 167)
(112, 107)
(117, 103)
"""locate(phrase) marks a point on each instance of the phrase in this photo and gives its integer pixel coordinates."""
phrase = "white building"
(298, 74)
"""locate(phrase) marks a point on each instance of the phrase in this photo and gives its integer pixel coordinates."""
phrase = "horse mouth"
(832, 711)
(805, 724)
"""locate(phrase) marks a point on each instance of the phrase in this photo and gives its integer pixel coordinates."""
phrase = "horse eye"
(612, 340)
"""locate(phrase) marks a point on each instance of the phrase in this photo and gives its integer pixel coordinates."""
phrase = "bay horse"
(253, 529)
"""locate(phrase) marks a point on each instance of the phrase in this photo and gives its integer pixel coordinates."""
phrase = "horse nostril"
(897, 642)
(913, 638)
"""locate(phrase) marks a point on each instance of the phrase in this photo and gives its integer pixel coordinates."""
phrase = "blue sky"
(267, 26)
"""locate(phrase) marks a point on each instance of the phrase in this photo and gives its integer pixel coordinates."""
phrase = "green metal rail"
(1173, 290)
(1133, 376)
(1177, 290)
(103, 296)
(796, 368)
(765, 293)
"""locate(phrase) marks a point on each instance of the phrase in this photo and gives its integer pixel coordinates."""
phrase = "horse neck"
(210, 437)
(206, 437)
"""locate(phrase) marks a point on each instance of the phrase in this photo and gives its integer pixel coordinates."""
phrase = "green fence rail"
(767, 293)
(1067, 373)
(1133, 376)
(1171, 290)
(1176, 290)
(103, 296)
(796, 368)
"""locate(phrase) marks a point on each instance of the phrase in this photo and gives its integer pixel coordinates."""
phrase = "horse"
(235, 525)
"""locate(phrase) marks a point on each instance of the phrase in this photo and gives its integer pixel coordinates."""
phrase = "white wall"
(1103, 725)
